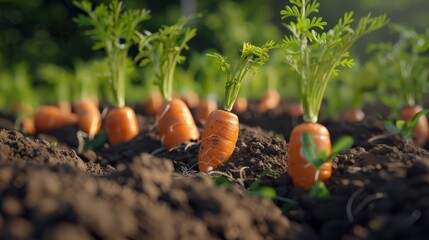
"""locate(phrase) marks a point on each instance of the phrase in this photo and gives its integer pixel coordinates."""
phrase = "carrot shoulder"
(205, 108)
(89, 117)
(299, 169)
(121, 125)
(175, 123)
(218, 140)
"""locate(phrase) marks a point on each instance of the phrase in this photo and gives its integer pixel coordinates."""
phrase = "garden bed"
(379, 189)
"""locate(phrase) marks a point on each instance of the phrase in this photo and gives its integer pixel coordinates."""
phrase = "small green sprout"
(404, 128)
(318, 158)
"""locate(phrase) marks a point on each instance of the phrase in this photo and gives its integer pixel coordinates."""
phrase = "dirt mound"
(140, 198)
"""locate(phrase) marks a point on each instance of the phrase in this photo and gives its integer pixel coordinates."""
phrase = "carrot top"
(114, 31)
(165, 53)
(251, 58)
(314, 54)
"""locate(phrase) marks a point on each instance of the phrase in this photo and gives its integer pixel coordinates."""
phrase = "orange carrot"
(299, 169)
(49, 117)
(121, 125)
(421, 130)
(240, 105)
(191, 99)
(89, 117)
(218, 140)
(175, 123)
(153, 103)
(353, 115)
(27, 126)
(270, 100)
(204, 109)
(220, 133)
(295, 109)
(65, 106)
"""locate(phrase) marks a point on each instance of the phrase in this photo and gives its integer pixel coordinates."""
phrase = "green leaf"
(308, 148)
(391, 128)
(342, 145)
(264, 191)
(99, 140)
(319, 191)
(222, 181)
(413, 121)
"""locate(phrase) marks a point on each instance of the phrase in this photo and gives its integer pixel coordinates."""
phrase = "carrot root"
(121, 125)
(175, 124)
(299, 169)
(49, 117)
(204, 109)
(89, 117)
(218, 140)
(240, 105)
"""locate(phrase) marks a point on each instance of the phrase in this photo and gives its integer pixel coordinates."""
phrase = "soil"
(136, 190)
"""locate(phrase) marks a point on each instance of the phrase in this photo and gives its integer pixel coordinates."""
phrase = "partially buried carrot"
(154, 103)
(299, 169)
(315, 69)
(49, 117)
(191, 99)
(205, 108)
(421, 130)
(116, 31)
(269, 101)
(121, 125)
(220, 133)
(295, 109)
(240, 105)
(27, 125)
(353, 115)
(89, 117)
(175, 123)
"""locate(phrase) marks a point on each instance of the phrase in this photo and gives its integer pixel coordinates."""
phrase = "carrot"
(153, 103)
(240, 105)
(27, 126)
(353, 115)
(89, 117)
(299, 169)
(204, 109)
(49, 117)
(65, 106)
(221, 130)
(191, 99)
(295, 109)
(270, 100)
(218, 141)
(115, 30)
(315, 62)
(421, 130)
(121, 125)
(175, 123)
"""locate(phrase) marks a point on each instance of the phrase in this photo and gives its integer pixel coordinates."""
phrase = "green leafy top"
(115, 31)
(251, 58)
(165, 52)
(314, 55)
(404, 65)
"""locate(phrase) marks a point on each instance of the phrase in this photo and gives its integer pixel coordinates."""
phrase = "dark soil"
(136, 190)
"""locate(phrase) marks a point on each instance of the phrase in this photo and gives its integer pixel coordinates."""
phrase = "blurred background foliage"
(37, 32)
